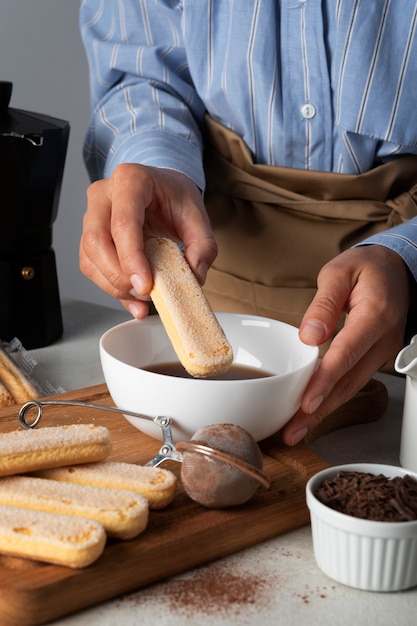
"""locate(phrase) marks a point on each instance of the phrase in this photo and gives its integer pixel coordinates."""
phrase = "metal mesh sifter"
(221, 464)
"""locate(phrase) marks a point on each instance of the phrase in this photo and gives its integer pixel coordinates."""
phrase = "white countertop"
(276, 582)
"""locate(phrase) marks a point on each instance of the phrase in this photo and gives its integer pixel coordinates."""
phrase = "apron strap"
(372, 196)
(276, 227)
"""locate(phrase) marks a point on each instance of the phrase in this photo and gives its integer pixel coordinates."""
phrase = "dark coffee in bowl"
(236, 372)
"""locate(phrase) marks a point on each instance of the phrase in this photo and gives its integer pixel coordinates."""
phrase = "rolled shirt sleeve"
(145, 108)
(402, 239)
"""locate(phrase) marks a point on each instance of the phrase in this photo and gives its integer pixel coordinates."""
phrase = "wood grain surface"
(183, 535)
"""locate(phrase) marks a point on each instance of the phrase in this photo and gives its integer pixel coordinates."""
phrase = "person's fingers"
(131, 194)
(134, 203)
(98, 257)
(200, 255)
(334, 284)
(137, 308)
(313, 412)
(360, 340)
(376, 301)
(190, 222)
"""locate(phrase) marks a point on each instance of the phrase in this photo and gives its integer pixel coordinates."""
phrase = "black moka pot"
(32, 156)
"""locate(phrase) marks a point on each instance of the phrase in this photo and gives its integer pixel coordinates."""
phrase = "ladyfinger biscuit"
(6, 399)
(123, 514)
(156, 484)
(23, 451)
(15, 381)
(61, 539)
(189, 321)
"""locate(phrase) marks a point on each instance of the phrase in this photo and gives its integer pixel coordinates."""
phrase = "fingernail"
(314, 404)
(202, 272)
(314, 330)
(137, 284)
(134, 294)
(134, 310)
(300, 434)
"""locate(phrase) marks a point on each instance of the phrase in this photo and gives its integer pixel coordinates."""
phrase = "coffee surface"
(236, 372)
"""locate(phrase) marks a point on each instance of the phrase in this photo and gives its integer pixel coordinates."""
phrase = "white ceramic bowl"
(366, 554)
(261, 406)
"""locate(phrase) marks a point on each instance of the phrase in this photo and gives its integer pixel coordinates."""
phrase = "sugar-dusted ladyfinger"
(61, 539)
(156, 484)
(122, 513)
(194, 331)
(24, 451)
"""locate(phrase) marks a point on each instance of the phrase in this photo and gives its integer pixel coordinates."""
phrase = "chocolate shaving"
(371, 496)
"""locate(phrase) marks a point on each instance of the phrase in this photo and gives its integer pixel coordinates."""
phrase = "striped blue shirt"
(327, 85)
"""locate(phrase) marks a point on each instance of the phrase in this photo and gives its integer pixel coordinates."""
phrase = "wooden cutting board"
(179, 537)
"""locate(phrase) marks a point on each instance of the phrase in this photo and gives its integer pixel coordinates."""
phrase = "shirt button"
(308, 111)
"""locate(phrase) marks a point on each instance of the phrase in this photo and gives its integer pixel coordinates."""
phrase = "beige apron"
(276, 227)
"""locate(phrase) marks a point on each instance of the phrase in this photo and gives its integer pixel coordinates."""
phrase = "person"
(294, 124)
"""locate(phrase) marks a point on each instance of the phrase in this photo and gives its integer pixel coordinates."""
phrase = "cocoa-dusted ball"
(213, 482)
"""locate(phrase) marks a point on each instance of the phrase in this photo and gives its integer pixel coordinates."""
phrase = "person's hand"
(372, 285)
(137, 202)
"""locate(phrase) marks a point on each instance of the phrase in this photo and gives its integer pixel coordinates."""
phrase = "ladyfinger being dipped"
(195, 333)
(61, 539)
(123, 514)
(23, 451)
(157, 485)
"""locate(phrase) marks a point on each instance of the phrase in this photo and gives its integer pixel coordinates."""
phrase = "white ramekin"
(369, 555)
